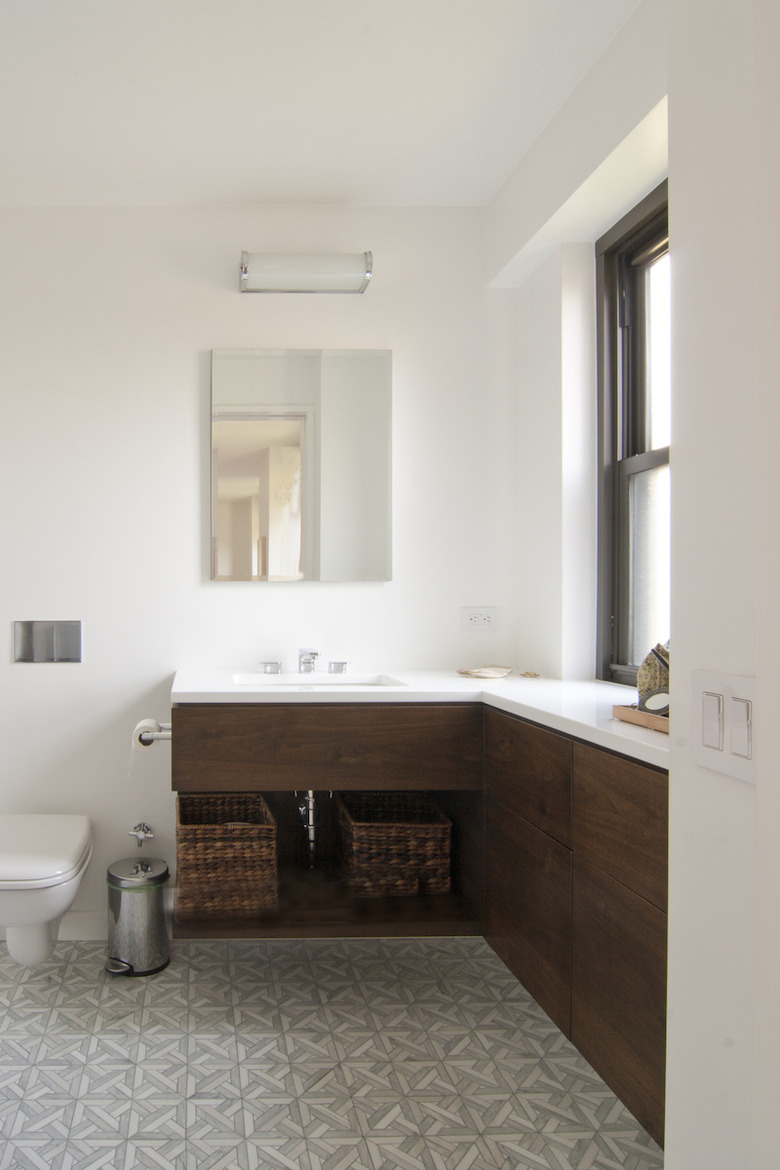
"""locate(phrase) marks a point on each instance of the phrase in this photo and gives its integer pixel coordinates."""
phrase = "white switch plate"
(728, 701)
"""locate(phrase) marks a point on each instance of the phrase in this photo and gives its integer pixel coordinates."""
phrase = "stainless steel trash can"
(137, 935)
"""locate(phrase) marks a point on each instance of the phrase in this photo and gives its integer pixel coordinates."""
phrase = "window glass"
(658, 390)
(649, 521)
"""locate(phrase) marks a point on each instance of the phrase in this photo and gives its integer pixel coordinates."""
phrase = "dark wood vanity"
(559, 853)
(575, 900)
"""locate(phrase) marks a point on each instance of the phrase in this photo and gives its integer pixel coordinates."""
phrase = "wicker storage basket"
(225, 855)
(394, 843)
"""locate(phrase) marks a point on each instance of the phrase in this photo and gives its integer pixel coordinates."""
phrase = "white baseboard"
(92, 925)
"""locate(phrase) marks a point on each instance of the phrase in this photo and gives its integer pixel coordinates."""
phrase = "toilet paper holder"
(149, 731)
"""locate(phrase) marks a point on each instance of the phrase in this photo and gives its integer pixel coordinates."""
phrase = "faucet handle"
(274, 667)
(142, 832)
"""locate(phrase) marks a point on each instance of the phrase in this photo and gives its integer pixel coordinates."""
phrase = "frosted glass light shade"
(334, 272)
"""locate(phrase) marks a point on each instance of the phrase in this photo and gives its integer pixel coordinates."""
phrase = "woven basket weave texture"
(226, 855)
(394, 843)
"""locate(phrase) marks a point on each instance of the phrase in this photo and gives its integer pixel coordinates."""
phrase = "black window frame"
(622, 255)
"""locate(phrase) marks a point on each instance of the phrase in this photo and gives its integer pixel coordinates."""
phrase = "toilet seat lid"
(41, 849)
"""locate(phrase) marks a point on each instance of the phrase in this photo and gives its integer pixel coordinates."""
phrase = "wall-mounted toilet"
(43, 858)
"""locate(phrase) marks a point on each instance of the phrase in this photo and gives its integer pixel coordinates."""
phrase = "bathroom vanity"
(559, 833)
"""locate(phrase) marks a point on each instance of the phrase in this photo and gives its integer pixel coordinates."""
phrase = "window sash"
(623, 257)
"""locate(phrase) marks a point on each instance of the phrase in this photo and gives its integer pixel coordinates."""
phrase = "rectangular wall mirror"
(301, 465)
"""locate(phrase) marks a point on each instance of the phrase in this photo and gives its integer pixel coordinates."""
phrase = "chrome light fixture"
(338, 272)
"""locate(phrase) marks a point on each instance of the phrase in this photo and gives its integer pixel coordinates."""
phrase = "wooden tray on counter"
(643, 718)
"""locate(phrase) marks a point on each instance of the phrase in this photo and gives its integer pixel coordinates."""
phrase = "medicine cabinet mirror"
(300, 465)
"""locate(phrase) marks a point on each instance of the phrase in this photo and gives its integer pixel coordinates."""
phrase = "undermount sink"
(258, 678)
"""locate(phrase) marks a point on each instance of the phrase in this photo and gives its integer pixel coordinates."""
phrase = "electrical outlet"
(483, 617)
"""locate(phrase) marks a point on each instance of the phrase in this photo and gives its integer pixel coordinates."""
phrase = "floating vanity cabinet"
(560, 859)
(244, 747)
(619, 838)
(528, 857)
(279, 749)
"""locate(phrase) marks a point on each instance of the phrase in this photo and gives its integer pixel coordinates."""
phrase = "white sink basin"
(260, 679)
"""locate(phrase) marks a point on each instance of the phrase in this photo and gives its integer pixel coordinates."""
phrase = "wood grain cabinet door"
(528, 769)
(528, 858)
(620, 813)
(618, 1008)
(619, 838)
(233, 747)
(528, 908)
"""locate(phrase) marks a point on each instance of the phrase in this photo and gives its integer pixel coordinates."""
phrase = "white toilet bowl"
(43, 858)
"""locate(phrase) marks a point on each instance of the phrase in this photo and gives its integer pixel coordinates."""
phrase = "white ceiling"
(192, 102)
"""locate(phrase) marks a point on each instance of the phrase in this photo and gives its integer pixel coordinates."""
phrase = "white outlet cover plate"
(469, 612)
(730, 686)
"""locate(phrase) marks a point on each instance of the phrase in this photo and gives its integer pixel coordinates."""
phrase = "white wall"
(107, 321)
(724, 1031)
(555, 466)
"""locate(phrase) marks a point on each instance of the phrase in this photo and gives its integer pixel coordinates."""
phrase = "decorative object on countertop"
(226, 855)
(486, 671)
(652, 680)
(394, 843)
(642, 718)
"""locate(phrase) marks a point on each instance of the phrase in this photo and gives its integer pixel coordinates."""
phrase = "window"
(634, 367)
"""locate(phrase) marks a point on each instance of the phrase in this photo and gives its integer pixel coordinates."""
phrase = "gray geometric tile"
(158, 1118)
(154, 1154)
(32, 1155)
(47, 1118)
(100, 1118)
(214, 1121)
(301, 1055)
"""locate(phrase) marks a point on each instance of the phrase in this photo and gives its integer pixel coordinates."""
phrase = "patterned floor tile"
(101, 1117)
(169, 1154)
(215, 1120)
(46, 1118)
(389, 1054)
(33, 1155)
(270, 1154)
(158, 1118)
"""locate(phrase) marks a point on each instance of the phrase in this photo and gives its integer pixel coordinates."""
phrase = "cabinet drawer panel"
(618, 1014)
(528, 911)
(620, 812)
(267, 747)
(528, 770)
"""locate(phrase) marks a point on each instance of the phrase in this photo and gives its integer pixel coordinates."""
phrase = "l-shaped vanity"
(559, 831)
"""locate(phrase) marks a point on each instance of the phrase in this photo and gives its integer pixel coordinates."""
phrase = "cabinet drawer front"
(269, 747)
(618, 1009)
(620, 812)
(528, 912)
(528, 770)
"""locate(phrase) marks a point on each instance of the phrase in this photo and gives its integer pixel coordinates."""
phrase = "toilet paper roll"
(145, 725)
(140, 728)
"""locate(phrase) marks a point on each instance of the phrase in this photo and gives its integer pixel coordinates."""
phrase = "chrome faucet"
(306, 660)
(142, 832)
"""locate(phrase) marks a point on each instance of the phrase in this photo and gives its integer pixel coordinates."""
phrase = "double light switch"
(723, 723)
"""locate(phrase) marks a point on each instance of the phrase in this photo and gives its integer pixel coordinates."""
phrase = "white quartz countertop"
(578, 708)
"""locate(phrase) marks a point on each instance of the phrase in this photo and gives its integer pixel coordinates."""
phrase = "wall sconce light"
(340, 272)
